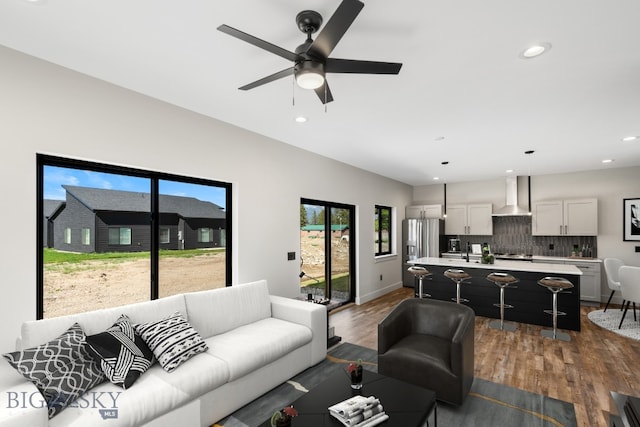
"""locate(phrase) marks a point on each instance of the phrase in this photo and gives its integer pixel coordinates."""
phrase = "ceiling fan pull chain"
(293, 91)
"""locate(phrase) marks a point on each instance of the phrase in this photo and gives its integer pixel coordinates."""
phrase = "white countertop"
(565, 258)
(502, 265)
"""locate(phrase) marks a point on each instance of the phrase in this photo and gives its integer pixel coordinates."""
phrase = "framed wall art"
(631, 219)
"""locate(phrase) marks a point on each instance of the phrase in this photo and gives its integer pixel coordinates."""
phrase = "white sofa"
(256, 341)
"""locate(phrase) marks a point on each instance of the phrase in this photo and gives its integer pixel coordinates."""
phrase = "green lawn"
(340, 283)
(52, 256)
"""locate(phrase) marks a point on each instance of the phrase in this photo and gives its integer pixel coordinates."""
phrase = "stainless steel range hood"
(511, 207)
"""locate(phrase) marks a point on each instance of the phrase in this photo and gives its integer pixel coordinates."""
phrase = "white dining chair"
(611, 267)
(630, 288)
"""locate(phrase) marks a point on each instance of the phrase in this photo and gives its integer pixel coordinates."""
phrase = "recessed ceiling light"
(435, 178)
(630, 138)
(509, 171)
(535, 50)
(607, 161)
(301, 119)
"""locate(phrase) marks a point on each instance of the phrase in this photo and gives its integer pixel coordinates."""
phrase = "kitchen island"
(529, 299)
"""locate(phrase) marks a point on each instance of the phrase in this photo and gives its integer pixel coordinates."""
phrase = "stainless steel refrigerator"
(420, 238)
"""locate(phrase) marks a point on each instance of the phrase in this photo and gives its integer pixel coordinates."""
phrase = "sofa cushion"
(172, 340)
(250, 347)
(35, 332)
(122, 354)
(221, 310)
(61, 369)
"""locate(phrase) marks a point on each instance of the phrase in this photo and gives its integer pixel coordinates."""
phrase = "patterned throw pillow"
(121, 353)
(172, 340)
(61, 369)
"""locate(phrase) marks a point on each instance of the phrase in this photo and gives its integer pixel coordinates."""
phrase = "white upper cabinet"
(469, 219)
(423, 211)
(575, 217)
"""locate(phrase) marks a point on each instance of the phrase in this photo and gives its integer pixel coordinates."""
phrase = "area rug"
(611, 319)
(488, 404)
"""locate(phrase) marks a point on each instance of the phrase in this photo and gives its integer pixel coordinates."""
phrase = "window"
(382, 223)
(119, 236)
(86, 236)
(205, 235)
(165, 235)
(122, 235)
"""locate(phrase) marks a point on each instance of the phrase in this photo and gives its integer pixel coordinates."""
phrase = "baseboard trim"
(378, 293)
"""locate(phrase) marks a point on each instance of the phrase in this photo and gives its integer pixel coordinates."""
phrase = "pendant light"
(529, 153)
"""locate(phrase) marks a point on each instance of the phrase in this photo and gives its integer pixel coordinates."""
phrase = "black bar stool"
(555, 285)
(458, 276)
(502, 280)
(420, 273)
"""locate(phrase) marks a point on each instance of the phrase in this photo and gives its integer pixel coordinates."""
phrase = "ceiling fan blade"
(334, 65)
(325, 96)
(269, 47)
(335, 28)
(268, 79)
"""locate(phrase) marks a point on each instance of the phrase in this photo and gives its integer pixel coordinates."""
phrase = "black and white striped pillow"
(121, 353)
(172, 340)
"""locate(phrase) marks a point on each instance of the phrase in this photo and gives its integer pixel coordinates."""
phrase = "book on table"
(359, 411)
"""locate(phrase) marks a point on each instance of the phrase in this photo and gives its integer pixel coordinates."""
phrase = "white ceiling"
(462, 77)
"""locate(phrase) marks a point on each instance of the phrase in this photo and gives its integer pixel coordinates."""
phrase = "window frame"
(155, 177)
(85, 236)
(378, 209)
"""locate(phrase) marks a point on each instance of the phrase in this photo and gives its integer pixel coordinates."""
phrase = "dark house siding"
(191, 227)
(140, 231)
(99, 210)
(75, 216)
(172, 222)
(51, 209)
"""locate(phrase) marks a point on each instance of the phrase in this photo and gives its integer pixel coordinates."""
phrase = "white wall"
(48, 109)
(609, 186)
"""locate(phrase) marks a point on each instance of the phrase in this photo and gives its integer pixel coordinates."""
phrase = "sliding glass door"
(326, 251)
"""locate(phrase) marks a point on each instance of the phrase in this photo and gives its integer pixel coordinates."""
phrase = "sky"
(55, 177)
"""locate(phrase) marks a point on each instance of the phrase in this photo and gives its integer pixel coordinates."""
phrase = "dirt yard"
(312, 253)
(92, 285)
(100, 284)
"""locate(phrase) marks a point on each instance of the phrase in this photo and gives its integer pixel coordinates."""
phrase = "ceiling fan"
(311, 59)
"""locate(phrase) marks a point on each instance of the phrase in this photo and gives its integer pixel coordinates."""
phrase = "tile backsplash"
(512, 234)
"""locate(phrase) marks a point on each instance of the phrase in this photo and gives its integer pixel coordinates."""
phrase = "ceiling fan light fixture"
(309, 74)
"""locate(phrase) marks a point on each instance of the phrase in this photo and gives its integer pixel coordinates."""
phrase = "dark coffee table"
(406, 404)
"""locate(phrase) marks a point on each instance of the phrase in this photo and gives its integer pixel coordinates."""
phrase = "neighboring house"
(317, 230)
(97, 220)
(50, 209)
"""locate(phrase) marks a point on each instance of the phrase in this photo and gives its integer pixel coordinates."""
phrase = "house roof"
(50, 206)
(98, 199)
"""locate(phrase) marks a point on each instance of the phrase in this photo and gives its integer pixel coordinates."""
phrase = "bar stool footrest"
(505, 306)
(560, 313)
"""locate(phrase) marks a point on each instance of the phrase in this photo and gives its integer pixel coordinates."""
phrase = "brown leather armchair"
(429, 343)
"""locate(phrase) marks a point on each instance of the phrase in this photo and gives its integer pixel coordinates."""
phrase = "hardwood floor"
(582, 371)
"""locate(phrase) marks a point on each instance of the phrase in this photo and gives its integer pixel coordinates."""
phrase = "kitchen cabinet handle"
(560, 229)
(566, 229)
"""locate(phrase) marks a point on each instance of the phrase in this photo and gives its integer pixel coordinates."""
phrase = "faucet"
(468, 248)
